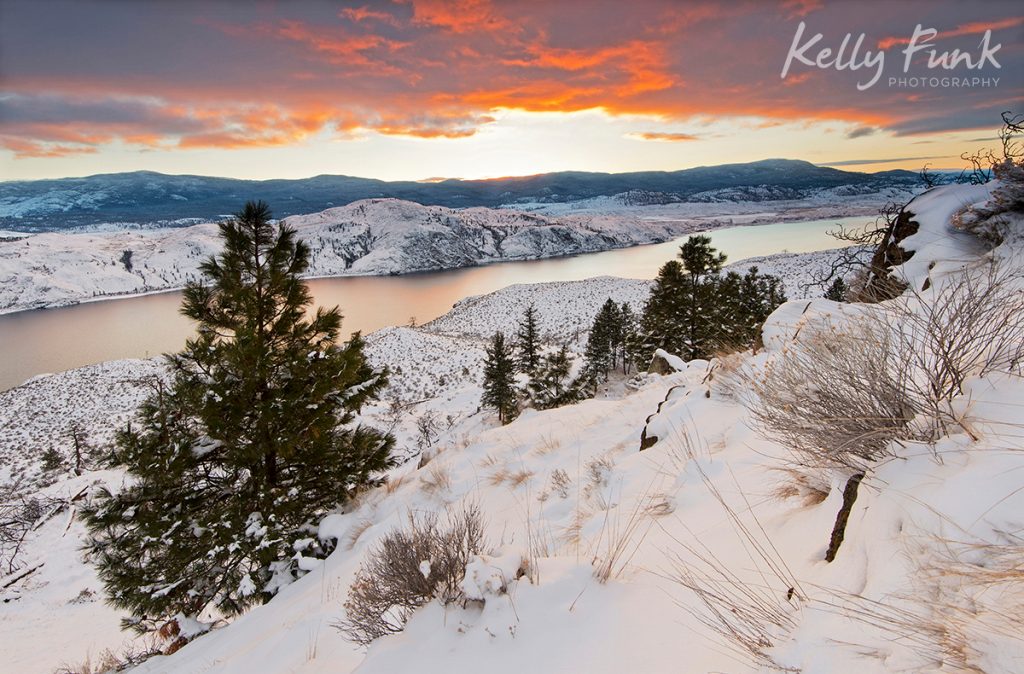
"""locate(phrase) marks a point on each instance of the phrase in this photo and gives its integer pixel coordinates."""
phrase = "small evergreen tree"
(499, 380)
(553, 385)
(700, 290)
(605, 340)
(759, 295)
(629, 336)
(252, 442)
(52, 461)
(662, 320)
(528, 343)
(837, 291)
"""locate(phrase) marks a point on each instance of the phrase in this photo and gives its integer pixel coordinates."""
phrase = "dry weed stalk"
(750, 616)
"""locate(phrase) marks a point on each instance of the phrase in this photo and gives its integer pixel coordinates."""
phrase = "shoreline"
(781, 219)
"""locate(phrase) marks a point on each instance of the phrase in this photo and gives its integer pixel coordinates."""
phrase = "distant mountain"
(147, 198)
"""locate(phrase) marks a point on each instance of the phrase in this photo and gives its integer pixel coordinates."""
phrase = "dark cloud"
(855, 162)
(862, 131)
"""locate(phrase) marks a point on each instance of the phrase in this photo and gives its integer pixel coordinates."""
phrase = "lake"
(52, 340)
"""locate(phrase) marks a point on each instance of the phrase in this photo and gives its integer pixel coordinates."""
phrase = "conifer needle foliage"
(231, 465)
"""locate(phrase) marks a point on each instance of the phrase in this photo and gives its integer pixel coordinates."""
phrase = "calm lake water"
(52, 340)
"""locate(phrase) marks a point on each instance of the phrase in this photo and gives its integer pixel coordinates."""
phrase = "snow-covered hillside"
(372, 237)
(600, 557)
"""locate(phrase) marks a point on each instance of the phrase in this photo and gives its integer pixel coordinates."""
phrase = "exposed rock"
(881, 284)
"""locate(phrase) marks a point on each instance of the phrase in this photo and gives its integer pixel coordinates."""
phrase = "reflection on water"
(52, 340)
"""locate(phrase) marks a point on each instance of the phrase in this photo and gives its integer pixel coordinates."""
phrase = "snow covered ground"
(606, 532)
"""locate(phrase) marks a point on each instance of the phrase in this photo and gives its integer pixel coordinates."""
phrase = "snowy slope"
(567, 492)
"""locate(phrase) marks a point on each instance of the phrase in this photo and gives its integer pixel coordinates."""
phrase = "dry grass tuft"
(357, 530)
(547, 445)
(437, 480)
(808, 486)
(519, 477)
(391, 485)
(498, 476)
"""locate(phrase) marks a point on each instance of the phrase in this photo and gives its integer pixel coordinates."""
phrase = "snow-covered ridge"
(366, 238)
(371, 237)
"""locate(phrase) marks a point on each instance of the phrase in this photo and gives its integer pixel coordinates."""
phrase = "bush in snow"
(410, 567)
(1001, 216)
(834, 399)
(254, 440)
(839, 398)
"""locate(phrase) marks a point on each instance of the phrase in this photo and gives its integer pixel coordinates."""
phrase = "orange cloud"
(364, 13)
(461, 16)
(664, 136)
(23, 149)
(431, 69)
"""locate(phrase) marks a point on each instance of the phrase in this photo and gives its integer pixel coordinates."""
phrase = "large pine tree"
(499, 380)
(234, 462)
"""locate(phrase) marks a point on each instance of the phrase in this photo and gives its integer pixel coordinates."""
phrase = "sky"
(428, 89)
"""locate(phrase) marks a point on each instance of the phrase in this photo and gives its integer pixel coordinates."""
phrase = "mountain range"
(145, 198)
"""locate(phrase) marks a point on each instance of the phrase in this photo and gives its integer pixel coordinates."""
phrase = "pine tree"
(837, 291)
(700, 327)
(630, 326)
(52, 461)
(695, 311)
(605, 338)
(499, 380)
(553, 385)
(528, 343)
(234, 462)
(661, 321)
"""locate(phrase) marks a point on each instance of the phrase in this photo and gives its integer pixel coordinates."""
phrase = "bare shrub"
(1000, 216)
(834, 398)
(728, 377)
(410, 567)
(427, 430)
(108, 661)
(839, 398)
(972, 324)
(20, 515)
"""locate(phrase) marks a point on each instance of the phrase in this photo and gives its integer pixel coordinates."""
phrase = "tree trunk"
(270, 466)
(839, 530)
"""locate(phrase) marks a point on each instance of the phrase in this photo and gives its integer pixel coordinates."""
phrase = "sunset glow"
(427, 89)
